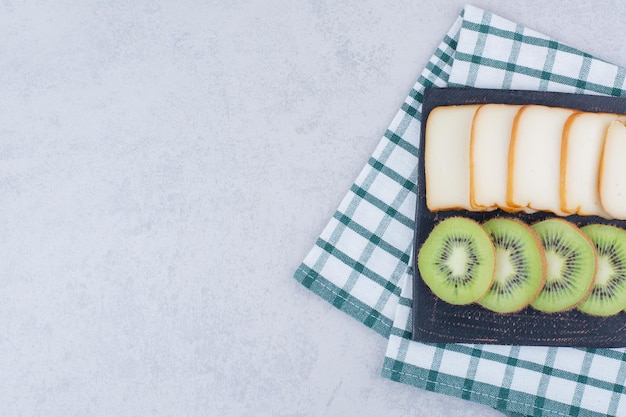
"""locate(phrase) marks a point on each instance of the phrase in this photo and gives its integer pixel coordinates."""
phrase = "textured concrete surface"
(164, 168)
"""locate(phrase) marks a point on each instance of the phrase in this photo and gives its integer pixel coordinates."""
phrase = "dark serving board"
(435, 321)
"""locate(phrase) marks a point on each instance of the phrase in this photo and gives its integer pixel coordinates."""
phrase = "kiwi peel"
(457, 261)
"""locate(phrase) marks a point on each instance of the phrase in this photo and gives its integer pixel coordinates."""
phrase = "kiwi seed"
(520, 266)
(457, 261)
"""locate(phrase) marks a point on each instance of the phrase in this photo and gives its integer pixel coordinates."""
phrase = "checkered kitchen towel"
(360, 263)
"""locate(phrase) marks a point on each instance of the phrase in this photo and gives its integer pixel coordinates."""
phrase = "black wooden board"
(435, 321)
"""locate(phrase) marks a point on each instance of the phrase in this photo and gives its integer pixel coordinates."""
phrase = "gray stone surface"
(164, 168)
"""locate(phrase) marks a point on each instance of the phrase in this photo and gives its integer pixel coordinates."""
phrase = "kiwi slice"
(571, 260)
(520, 266)
(457, 261)
(608, 294)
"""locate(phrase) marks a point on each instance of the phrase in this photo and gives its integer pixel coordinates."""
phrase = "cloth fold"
(361, 261)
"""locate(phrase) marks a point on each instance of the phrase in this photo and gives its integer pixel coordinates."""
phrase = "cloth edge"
(343, 301)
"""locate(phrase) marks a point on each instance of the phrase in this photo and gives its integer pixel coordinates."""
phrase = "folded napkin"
(361, 261)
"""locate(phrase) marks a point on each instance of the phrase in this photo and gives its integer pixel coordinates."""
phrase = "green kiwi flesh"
(520, 266)
(457, 261)
(571, 261)
(608, 294)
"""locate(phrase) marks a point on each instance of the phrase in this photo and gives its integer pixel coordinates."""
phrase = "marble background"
(164, 168)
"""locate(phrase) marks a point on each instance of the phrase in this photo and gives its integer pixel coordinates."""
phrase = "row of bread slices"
(526, 158)
(505, 265)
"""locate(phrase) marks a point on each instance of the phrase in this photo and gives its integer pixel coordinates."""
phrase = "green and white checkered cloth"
(360, 263)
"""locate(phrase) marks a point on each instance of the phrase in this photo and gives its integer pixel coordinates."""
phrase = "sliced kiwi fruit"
(520, 266)
(608, 294)
(457, 261)
(571, 261)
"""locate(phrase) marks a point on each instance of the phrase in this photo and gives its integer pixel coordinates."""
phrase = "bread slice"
(489, 149)
(612, 175)
(535, 158)
(581, 151)
(446, 157)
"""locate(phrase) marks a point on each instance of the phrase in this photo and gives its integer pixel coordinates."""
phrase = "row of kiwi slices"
(505, 265)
